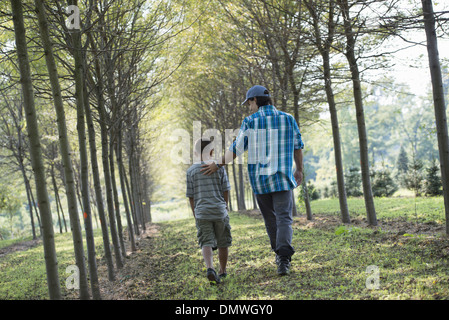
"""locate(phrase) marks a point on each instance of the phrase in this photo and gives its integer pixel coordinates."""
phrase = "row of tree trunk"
(134, 188)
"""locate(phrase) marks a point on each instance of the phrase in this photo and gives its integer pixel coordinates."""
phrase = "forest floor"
(330, 262)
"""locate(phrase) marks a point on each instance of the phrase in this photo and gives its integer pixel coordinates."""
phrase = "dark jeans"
(276, 210)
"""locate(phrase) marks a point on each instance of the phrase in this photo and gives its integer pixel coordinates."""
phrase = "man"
(273, 140)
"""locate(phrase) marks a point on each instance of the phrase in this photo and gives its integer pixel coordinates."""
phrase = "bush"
(414, 178)
(353, 182)
(313, 192)
(382, 183)
(432, 183)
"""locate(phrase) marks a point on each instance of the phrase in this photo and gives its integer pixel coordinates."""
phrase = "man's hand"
(298, 177)
(208, 169)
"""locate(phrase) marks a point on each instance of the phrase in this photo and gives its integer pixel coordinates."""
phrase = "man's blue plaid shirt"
(270, 136)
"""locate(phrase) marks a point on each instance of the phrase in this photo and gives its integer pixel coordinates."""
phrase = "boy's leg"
(206, 240)
(223, 258)
(224, 241)
(208, 256)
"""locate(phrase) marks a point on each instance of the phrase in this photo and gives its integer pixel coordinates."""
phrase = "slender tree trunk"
(35, 209)
(55, 190)
(147, 206)
(79, 84)
(131, 201)
(360, 115)
(438, 101)
(324, 49)
(118, 153)
(30, 204)
(109, 196)
(59, 204)
(36, 152)
(96, 171)
(242, 188)
(336, 137)
(115, 194)
(236, 187)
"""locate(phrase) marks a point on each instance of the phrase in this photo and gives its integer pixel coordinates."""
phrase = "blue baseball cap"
(256, 91)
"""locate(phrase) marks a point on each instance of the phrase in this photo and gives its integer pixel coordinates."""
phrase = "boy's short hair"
(201, 144)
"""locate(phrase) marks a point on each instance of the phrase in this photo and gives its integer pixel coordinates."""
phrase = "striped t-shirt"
(207, 192)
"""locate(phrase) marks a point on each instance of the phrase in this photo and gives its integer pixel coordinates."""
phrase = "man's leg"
(283, 204)
(264, 201)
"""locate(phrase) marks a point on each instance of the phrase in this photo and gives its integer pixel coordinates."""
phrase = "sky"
(412, 66)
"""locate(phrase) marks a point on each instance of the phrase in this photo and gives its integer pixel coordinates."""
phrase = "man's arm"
(192, 205)
(208, 169)
(299, 166)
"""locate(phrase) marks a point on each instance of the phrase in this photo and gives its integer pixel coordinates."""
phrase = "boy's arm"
(192, 205)
(226, 196)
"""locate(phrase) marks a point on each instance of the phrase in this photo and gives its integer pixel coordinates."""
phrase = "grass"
(330, 262)
(23, 273)
(420, 209)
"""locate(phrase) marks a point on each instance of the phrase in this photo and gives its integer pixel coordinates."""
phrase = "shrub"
(382, 183)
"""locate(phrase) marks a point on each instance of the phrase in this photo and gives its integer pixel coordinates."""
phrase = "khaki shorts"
(214, 233)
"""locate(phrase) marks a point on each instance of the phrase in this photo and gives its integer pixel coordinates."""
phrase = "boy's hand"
(209, 168)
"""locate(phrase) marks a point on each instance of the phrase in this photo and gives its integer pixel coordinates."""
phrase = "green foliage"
(382, 184)
(432, 184)
(353, 182)
(312, 191)
(414, 177)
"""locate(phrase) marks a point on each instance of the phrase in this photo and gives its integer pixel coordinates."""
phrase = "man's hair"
(262, 101)
(201, 144)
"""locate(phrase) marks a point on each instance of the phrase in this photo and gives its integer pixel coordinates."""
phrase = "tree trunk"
(109, 196)
(358, 100)
(118, 154)
(241, 200)
(236, 187)
(96, 170)
(36, 152)
(79, 84)
(115, 194)
(336, 137)
(30, 203)
(55, 190)
(438, 100)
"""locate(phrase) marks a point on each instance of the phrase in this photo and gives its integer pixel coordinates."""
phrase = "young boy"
(208, 195)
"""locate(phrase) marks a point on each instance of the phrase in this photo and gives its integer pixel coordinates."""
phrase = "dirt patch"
(19, 246)
(125, 277)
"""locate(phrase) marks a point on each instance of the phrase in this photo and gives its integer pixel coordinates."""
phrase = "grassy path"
(327, 264)
(330, 262)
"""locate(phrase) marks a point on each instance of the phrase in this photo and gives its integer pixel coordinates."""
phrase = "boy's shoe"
(283, 265)
(212, 276)
(222, 275)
